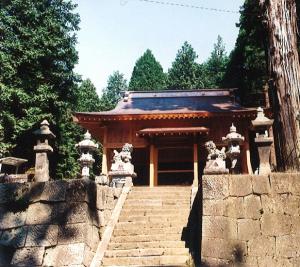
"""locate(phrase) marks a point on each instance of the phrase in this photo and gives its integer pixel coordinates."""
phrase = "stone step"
(155, 203)
(150, 212)
(146, 252)
(162, 197)
(144, 224)
(149, 238)
(149, 231)
(161, 188)
(177, 260)
(144, 245)
(161, 193)
(155, 218)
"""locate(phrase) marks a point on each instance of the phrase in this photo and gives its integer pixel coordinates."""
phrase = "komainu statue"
(122, 167)
(215, 163)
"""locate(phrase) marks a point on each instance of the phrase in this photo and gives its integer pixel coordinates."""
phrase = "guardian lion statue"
(215, 163)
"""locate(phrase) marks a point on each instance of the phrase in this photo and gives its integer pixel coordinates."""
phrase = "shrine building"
(168, 130)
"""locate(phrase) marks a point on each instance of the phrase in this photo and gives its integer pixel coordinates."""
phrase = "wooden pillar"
(104, 153)
(195, 181)
(249, 166)
(246, 158)
(104, 161)
(153, 166)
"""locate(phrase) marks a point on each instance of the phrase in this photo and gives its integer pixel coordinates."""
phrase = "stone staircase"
(151, 230)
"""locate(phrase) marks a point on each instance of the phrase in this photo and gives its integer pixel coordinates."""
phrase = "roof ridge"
(179, 90)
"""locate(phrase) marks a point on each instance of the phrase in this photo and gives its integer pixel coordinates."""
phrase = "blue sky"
(115, 33)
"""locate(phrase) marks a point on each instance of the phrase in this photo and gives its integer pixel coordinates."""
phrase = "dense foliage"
(37, 57)
(247, 68)
(185, 72)
(148, 74)
(87, 98)
(215, 67)
(116, 86)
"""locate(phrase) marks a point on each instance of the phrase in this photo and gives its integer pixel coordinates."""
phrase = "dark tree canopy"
(247, 68)
(148, 74)
(185, 72)
(87, 97)
(116, 86)
(37, 57)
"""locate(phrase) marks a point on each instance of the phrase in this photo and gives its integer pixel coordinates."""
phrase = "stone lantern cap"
(44, 130)
(233, 136)
(87, 143)
(261, 120)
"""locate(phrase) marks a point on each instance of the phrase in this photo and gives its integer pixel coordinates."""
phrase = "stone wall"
(56, 223)
(251, 220)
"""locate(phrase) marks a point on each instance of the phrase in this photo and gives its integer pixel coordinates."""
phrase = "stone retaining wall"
(251, 220)
(56, 223)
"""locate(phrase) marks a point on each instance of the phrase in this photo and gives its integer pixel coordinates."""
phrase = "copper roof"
(168, 103)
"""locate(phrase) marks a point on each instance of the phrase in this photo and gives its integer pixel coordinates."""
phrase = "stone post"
(86, 147)
(42, 149)
(233, 141)
(263, 141)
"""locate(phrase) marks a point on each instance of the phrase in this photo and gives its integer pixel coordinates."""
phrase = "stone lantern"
(86, 147)
(42, 149)
(263, 141)
(233, 141)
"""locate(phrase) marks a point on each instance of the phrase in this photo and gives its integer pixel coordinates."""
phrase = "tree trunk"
(284, 70)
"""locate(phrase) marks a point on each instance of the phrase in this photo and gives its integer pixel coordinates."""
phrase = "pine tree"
(215, 66)
(185, 73)
(87, 97)
(116, 86)
(37, 57)
(148, 74)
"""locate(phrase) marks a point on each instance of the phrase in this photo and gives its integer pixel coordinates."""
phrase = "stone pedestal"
(215, 166)
(41, 165)
(120, 178)
(264, 150)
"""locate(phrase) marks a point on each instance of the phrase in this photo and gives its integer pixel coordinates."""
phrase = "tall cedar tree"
(116, 86)
(185, 73)
(215, 66)
(148, 74)
(247, 67)
(284, 71)
(37, 57)
(87, 97)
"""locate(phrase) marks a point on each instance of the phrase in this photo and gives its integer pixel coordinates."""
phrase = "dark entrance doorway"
(140, 160)
(175, 165)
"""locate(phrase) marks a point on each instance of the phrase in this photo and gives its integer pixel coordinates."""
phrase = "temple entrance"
(174, 161)
(175, 165)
